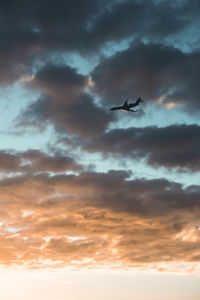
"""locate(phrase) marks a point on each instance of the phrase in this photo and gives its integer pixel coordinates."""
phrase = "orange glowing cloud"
(97, 219)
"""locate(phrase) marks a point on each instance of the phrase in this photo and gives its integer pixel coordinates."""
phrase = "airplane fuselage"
(127, 106)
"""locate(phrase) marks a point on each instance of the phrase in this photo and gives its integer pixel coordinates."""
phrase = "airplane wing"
(132, 104)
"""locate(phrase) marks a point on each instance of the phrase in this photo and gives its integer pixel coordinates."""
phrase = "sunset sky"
(96, 204)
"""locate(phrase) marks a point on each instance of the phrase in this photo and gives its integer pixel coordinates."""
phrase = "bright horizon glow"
(61, 284)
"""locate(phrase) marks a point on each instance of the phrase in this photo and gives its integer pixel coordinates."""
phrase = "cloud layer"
(64, 103)
(152, 71)
(36, 161)
(175, 146)
(53, 211)
(96, 219)
(30, 30)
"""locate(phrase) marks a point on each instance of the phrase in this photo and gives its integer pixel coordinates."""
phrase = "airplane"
(127, 106)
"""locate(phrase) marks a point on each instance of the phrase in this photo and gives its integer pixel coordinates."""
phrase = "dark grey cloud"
(175, 146)
(32, 29)
(59, 81)
(150, 71)
(17, 50)
(81, 117)
(9, 162)
(36, 161)
(138, 19)
(65, 104)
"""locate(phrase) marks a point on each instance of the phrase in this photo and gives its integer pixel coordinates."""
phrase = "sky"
(94, 203)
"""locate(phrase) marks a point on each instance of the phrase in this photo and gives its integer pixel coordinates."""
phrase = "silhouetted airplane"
(127, 106)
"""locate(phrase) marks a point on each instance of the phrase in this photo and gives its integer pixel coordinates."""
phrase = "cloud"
(97, 218)
(17, 50)
(59, 81)
(174, 146)
(31, 31)
(49, 218)
(64, 103)
(9, 162)
(133, 19)
(36, 161)
(150, 71)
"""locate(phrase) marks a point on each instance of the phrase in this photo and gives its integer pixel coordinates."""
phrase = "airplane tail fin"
(125, 103)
